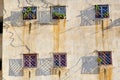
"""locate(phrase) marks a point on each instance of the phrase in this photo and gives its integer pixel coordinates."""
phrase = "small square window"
(0, 64)
(30, 60)
(101, 11)
(58, 12)
(1, 25)
(104, 58)
(29, 13)
(60, 60)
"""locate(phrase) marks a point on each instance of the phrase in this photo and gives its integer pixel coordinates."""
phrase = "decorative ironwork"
(58, 12)
(101, 11)
(60, 60)
(104, 58)
(30, 60)
(29, 13)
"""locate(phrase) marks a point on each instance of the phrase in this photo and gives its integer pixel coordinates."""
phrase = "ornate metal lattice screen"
(29, 13)
(104, 58)
(60, 60)
(15, 67)
(58, 12)
(44, 66)
(30, 60)
(101, 11)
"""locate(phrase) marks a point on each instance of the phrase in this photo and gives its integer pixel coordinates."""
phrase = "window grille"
(60, 60)
(30, 60)
(104, 58)
(101, 11)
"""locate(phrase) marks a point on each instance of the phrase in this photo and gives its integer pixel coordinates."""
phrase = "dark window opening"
(60, 60)
(0, 64)
(30, 60)
(29, 13)
(58, 12)
(1, 25)
(101, 11)
(104, 58)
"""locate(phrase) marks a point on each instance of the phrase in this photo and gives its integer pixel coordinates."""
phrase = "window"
(101, 11)
(104, 58)
(60, 60)
(1, 25)
(29, 13)
(0, 64)
(58, 12)
(30, 60)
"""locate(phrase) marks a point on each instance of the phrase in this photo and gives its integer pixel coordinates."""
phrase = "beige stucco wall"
(1, 8)
(76, 40)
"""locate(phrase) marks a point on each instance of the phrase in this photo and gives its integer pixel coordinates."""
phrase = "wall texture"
(1, 8)
(80, 35)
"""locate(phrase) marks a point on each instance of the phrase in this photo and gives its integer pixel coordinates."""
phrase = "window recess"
(58, 12)
(60, 59)
(101, 11)
(104, 58)
(30, 60)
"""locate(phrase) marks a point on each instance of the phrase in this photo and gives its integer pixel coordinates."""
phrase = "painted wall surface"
(80, 35)
(1, 8)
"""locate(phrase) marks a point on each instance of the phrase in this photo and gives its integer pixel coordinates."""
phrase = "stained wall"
(80, 35)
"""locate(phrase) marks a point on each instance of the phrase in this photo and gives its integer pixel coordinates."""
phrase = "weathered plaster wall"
(80, 36)
(1, 8)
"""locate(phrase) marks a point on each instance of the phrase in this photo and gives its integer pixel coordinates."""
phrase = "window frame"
(101, 11)
(60, 65)
(53, 11)
(35, 13)
(104, 59)
(30, 61)
(1, 25)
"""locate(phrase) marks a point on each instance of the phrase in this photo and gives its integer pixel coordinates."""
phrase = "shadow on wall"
(15, 19)
(87, 16)
(114, 23)
(43, 67)
(90, 65)
(44, 17)
(46, 4)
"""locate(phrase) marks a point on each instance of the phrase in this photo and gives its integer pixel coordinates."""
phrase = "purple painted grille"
(60, 60)
(30, 60)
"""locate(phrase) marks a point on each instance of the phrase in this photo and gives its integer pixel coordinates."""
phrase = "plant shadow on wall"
(114, 23)
(90, 66)
(46, 4)
(87, 16)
